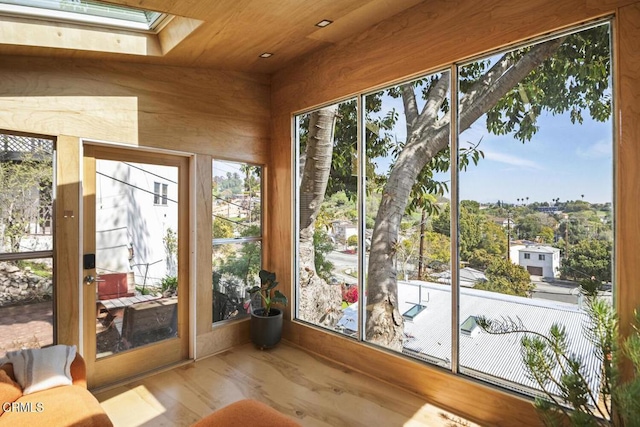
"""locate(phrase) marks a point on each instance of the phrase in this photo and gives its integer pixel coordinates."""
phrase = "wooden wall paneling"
(426, 37)
(222, 337)
(279, 209)
(67, 245)
(429, 36)
(203, 286)
(627, 85)
(193, 110)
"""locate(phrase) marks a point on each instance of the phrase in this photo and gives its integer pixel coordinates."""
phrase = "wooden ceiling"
(234, 33)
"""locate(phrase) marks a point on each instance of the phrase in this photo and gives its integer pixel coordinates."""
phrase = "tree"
(319, 301)
(491, 90)
(589, 259)
(221, 228)
(508, 278)
(328, 169)
(510, 92)
(529, 227)
(25, 189)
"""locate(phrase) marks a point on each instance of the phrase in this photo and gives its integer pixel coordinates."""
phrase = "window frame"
(42, 254)
(240, 239)
(455, 280)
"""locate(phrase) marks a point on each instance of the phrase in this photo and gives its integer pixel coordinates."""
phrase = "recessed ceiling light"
(266, 55)
(324, 23)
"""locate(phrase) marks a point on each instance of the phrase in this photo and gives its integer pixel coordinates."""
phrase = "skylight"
(86, 12)
(470, 327)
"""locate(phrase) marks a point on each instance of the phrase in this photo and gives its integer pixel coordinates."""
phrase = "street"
(558, 290)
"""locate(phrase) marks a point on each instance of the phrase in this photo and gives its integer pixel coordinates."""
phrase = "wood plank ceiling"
(234, 33)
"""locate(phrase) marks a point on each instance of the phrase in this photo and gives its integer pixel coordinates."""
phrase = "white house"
(540, 260)
(342, 230)
(136, 209)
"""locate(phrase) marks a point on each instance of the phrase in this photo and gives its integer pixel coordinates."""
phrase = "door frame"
(133, 362)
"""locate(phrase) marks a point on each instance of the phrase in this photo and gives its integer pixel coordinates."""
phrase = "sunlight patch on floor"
(426, 416)
(144, 406)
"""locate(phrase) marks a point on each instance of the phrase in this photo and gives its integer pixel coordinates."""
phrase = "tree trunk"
(426, 137)
(319, 302)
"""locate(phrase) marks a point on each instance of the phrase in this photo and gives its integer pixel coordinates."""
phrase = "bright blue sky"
(562, 160)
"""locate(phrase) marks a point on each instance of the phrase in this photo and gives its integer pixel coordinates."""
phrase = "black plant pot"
(266, 331)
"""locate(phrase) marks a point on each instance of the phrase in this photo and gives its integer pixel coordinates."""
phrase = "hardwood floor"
(309, 389)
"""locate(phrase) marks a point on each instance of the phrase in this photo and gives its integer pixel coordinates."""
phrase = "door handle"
(88, 280)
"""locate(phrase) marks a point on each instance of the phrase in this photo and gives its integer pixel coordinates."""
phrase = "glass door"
(135, 263)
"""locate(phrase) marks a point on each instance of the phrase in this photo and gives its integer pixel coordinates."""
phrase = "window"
(160, 192)
(390, 184)
(328, 230)
(27, 184)
(236, 191)
(532, 151)
(88, 12)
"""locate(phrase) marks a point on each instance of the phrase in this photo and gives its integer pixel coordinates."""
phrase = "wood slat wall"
(428, 37)
(192, 110)
(224, 115)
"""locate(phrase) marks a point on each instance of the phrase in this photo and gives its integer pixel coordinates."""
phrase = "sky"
(562, 160)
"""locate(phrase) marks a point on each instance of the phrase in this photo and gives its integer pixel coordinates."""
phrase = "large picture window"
(480, 191)
(237, 236)
(26, 242)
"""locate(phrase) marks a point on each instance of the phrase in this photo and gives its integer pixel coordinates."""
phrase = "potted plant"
(266, 321)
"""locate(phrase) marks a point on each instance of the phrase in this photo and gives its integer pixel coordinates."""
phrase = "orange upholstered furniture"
(244, 413)
(69, 405)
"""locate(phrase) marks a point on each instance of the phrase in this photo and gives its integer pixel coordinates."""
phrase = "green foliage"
(575, 79)
(507, 278)
(550, 363)
(323, 246)
(169, 284)
(437, 248)
(589, 258)
(221, 228)
(39, 269)
(352, 240)
(529, 227)
(243, 264)
(547, 235)
(480, 238)
(24, 187)
(267, 291)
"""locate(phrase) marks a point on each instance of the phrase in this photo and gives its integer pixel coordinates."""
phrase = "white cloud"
(597, 150)
(511, 160)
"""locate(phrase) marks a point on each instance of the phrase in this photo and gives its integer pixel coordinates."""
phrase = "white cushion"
(39, 369)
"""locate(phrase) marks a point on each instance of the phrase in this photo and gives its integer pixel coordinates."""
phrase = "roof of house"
(468, 277)
(494, 358)
(540, 249)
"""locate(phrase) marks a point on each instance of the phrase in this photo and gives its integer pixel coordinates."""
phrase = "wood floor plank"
(309, 389)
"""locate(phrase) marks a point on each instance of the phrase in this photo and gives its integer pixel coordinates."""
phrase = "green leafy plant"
(568, 397)
(267, 291)
(169, 284)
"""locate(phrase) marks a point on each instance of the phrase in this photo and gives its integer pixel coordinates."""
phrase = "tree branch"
(474, 105)
(410, 105)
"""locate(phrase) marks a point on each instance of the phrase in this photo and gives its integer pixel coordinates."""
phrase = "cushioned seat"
(61, 406)
(244, 413)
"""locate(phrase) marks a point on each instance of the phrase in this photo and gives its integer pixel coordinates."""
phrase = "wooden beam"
(67, 244)
(627, 220)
